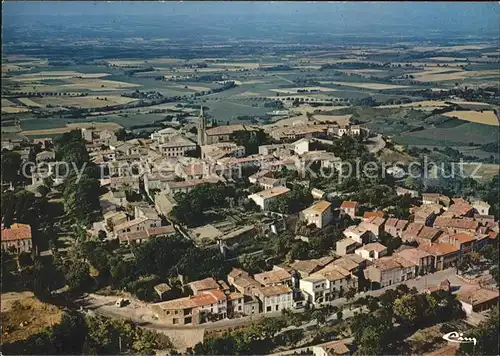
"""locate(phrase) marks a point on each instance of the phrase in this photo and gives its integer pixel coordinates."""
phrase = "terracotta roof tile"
(16, 232)
(349, 204)
(274, 290)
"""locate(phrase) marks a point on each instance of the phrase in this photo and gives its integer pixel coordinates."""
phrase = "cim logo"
(457, 337)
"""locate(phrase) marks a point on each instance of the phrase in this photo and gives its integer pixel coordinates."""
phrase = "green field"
(374, 74)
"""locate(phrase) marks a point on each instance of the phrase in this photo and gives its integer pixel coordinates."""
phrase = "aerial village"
(439, 232)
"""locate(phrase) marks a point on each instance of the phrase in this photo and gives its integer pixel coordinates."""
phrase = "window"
(267, 309)
(277, 307)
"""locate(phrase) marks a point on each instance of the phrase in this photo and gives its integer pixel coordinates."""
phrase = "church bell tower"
(202, 127)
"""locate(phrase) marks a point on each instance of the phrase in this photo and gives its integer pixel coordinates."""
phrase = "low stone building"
(319, 214)
(395, 227)
(478, 299)
(350, 208)
(274, 298)
(264, 198)
(422, 259)
(390, 270)
(346, 246)
(371, 251)
(445, 255)
(190, 310)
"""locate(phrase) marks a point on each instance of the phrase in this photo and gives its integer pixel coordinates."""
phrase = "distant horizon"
(464, 18)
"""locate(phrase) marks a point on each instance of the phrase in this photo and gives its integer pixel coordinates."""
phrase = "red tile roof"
(371, 214)
(16, 232)
(463, 238)
(349, 204)
(439, 249)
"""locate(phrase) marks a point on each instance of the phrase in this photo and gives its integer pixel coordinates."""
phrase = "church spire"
(202, 126)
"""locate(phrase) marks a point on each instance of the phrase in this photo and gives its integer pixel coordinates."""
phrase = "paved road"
(141, 313)
(189, 335)
(286, 80)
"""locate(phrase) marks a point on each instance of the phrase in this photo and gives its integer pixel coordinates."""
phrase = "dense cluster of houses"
(165, 164)
(313, 282)
(456, 228)
(439, 231)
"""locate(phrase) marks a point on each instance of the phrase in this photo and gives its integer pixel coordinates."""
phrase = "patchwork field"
(374, 86)
(82, 101)
(10, 67)
(9, 107)
(340, 119)
(57, 75)
(485, 117)
(139, 62)
(73, 126)
(94, 85)
(191, 87)
(302, 90)
(430, 104)
(481, 171)
(258, 84)
(441, 75)
(30, 103)
(13, 109)
(464, 134)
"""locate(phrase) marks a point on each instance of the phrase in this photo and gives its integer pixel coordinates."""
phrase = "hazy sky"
(474, 17)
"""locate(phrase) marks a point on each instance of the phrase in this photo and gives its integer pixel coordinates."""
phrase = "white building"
(371, 251)
(164, 135)
(301, 146)
(45, 156)
(390, 270)
(265, 197)
(314, 289)
(136, 225)
(177, 146)
(482, 207)
(157, 181)
(346, 246)
(320, 214)
(274, 298)
(327, 284)
(269, 182)
(359, 233)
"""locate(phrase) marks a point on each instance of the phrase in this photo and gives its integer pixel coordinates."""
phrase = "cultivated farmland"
(481, 117)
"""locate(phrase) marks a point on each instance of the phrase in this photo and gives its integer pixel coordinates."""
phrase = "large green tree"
(81, 198)
(11, 165)
(487, 336)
